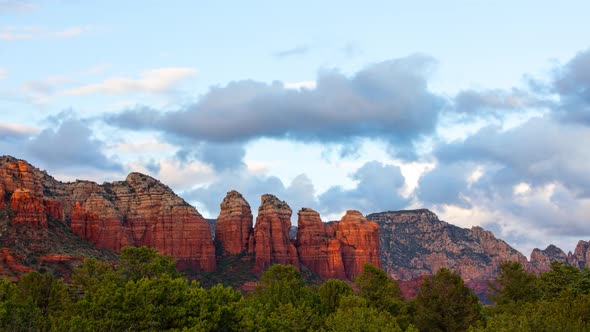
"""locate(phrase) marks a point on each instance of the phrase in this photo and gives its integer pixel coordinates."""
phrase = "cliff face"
(137, 211)
(270, 242)
(359, 240)
(581, 255)
(142, 211)
(234, 224)
(416, 243)
(318, 247)
(541, 259)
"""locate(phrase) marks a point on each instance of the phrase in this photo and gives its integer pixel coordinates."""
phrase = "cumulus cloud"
(572, 84)
(150, 81)
(389, 101)
(539, 151)
(378, 189)
(71, 145)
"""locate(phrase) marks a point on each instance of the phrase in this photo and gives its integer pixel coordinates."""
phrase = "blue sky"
(477, 110)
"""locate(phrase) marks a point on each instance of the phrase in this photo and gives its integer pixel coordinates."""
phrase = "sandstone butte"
(234, 224)
(339, 249)
(270, 242)
(137, 211)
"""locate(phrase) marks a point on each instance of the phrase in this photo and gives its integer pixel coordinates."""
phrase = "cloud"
(300, 85)
(530, 182)
(11, 131)
(150, 81)
(222, 156)
(16, 6)
(540, 151)
(13, 33)
(3, 73)
(388, 101)
(494, 102)
(572, 83)
(378, 189)
(295, 51)
(71, 145)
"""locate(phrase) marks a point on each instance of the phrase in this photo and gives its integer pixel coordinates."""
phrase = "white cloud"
(3, 73)
(150, 81)
(14, 33)
(17, 129)
(300, 85)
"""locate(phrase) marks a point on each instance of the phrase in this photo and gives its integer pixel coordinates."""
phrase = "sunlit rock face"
(142, 211)
(234, 224)
(270, 243)
(137, 211)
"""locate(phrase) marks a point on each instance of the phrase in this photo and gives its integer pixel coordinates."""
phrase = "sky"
(477, 110)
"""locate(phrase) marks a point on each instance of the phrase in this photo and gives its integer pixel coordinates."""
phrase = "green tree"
(514, 285)
(380, 290)
(281, 301)
(444, 303)
(138, 262)
(356, 314)
(330, 293)
(560, 278)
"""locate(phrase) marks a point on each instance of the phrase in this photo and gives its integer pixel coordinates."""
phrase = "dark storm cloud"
(572, 83)
(295, 51)
(388, 101)
(376, 190)
(70, 145)
(300, 193)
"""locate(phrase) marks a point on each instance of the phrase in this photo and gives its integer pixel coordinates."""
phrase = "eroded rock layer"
(270, 241)
(234, 224)
(137, 211)
(318, 247)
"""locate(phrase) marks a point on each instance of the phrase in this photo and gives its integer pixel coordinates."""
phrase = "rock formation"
(137, 211)
(234, 224)
(359, 241)
(317, 246)
(28, 208)
(581, 256)
(416, 243)
(142, 211)
(541, 259)
(338, 249)
(270, 241)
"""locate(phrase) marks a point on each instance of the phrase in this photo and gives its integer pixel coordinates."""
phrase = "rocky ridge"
(137, 211)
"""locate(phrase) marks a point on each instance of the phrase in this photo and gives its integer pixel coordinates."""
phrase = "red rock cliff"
(142, 211)
(29, 208)
(234, 224)
(270, 242)
(359, 239)
(318, 247)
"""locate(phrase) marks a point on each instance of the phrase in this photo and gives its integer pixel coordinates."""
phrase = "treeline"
(143, 292)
